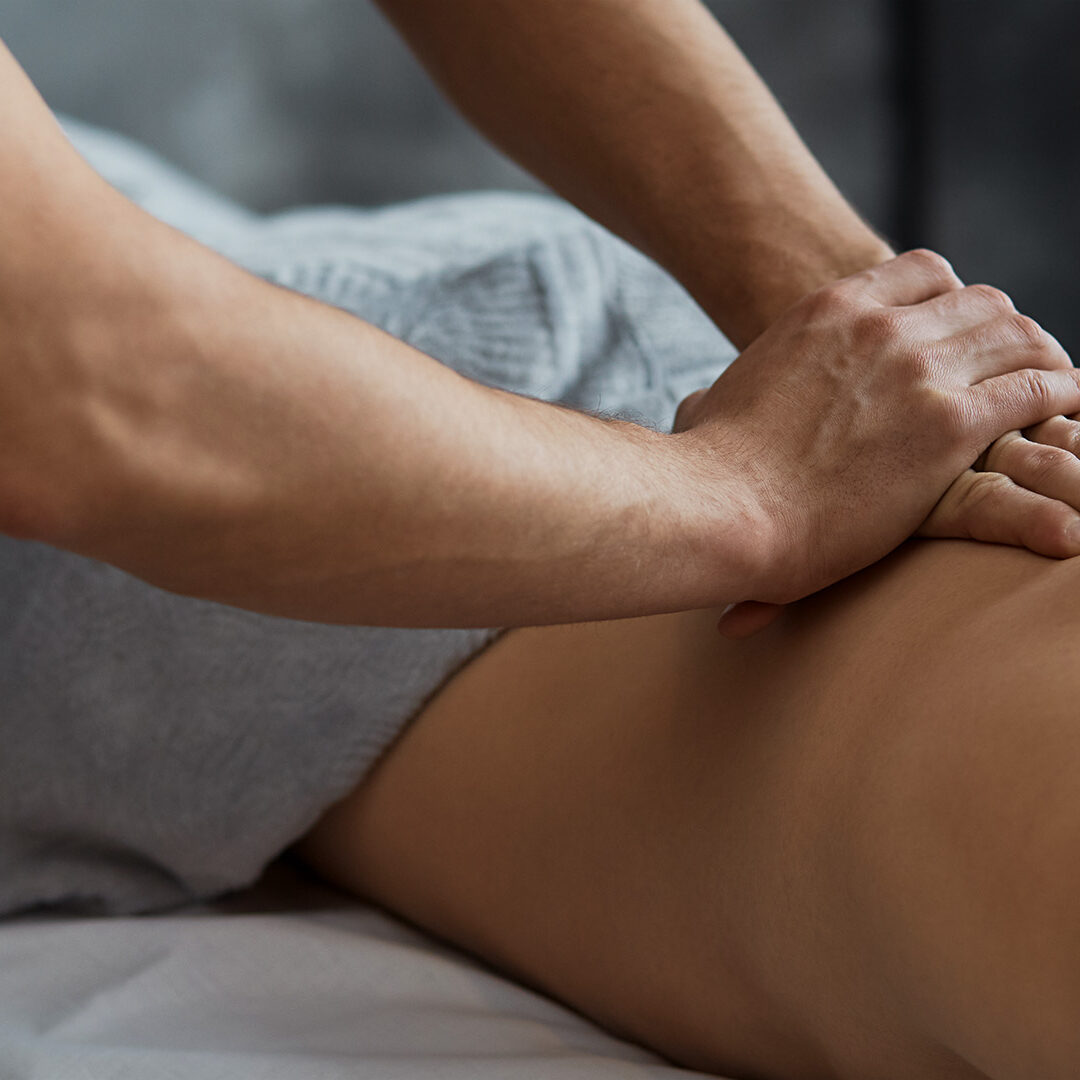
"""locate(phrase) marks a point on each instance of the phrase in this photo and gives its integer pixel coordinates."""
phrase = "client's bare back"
(843, 848)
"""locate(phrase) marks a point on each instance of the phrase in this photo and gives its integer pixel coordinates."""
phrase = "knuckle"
(1032, 387)
(1027, 332)
(880, 325)
(834, 301)
(1043, 461)
(937, 264)
(991, 297)
(982, 490)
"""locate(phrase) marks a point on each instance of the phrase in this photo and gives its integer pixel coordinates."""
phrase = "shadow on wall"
(279, 102)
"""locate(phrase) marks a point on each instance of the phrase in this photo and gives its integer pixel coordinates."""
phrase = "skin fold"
(844, 849)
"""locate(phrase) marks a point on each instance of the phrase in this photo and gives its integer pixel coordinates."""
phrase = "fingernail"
(1073, 537)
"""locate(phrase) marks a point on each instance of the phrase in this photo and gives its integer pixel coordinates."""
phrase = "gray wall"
(1005, 161)
(279, 102)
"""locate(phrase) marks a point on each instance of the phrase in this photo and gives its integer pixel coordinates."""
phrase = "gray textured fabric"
(158, 749)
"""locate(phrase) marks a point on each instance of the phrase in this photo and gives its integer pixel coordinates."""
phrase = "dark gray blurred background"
(949, 123)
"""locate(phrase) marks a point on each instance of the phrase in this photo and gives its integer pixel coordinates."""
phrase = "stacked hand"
(858, 447)
(1024, 491)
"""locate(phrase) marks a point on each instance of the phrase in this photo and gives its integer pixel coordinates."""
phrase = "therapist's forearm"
(234, 441)
(166, 412)
(647, 116)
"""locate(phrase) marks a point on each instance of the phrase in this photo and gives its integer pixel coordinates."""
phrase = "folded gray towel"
(158, 749)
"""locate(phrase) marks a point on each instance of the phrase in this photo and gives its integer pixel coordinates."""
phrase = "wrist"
(649, 522)
(774, 271)
(723, 521)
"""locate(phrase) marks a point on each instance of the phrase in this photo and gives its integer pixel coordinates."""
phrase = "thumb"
(745, 619)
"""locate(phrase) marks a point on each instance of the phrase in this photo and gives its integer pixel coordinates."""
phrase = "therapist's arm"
(646, 115)
(168, 413)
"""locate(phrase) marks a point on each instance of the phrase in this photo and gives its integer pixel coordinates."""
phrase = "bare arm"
(285, 456)
(646, 115)
(168, 413)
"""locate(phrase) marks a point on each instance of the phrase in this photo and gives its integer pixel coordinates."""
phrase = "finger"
(742, 620)
(1061, 431)
(1046, 470)
(981, 465)
(684, 414)
(989, 506)
(1018, 399)
(1007, 342)
(967, 307)
(911, 278)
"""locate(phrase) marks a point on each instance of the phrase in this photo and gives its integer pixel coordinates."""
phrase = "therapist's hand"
(949, 366)
(1025, 492)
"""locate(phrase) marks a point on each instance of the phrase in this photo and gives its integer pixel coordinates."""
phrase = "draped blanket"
(158, 749)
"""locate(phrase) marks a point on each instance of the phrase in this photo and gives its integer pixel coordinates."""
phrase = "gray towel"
(158, 749)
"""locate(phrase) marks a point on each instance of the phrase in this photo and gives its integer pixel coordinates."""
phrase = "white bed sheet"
(287, 981)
